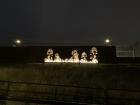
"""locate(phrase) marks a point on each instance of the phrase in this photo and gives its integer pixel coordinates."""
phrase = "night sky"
(73, 22)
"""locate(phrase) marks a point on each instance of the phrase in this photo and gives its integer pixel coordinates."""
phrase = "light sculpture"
(93, 55)
(49, 56)
(74, 58)
(57, 58)
(83, 57)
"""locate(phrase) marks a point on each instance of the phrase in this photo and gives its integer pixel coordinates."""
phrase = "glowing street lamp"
(18, 41)
(107, 41)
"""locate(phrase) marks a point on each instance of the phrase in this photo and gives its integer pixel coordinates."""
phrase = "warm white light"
(74, 58)
(107, 40)
(18, 41)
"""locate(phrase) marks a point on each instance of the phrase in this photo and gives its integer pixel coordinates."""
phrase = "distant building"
(128, 51)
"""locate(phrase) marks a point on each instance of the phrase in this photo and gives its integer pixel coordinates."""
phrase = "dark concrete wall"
(128, 60)
(106, 54)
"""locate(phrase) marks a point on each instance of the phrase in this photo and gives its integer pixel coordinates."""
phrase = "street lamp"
(107, 41)
(17, 42)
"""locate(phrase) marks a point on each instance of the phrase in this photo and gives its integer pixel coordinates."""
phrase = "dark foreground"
(99, 84)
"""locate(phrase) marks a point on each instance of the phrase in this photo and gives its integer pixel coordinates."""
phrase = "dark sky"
(70, 21)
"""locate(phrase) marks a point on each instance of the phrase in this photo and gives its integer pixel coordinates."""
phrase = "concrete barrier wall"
(106, 54)
(128, 60)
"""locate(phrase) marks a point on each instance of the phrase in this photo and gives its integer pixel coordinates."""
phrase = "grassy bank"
(124, 76)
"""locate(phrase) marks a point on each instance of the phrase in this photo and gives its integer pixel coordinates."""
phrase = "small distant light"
(107, 41)
(18, 41)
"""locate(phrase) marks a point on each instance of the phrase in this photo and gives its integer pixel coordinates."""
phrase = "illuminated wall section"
(62, 54)
(76, 57)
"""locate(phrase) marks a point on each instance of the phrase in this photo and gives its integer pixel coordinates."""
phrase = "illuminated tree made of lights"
(84, 57)
(93, 55)
(75, 56)
(49, 57)
(57, 58)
